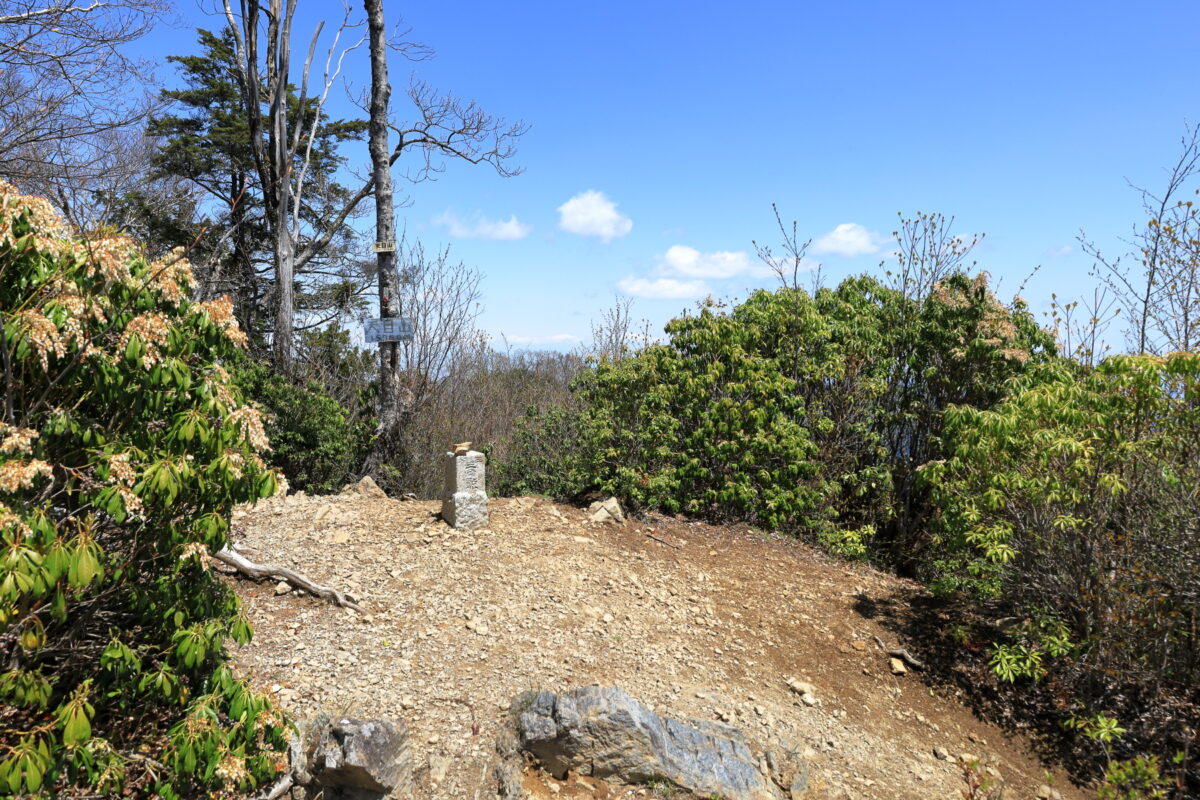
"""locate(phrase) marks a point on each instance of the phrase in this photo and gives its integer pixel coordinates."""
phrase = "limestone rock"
(789, 769)
(366, 487)
(606, 511)
(897, 666)
(507, 769)
(605, 733)
(359, 758)
(807, 692)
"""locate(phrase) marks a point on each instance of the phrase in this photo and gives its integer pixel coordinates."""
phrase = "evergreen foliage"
(809, 413)
(319, 419)
(123, 449)
(314, 441)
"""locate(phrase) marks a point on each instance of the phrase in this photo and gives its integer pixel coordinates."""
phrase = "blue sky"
(661, 132)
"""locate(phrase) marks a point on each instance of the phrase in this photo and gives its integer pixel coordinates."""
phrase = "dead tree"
(392, 405)
(1157, 283)
(446, 128)
(283, 148)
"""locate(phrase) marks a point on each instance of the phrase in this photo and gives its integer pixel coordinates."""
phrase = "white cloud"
(590, 213)
(848, 239)
(691, 263)
(663, 288)
(554, 338)
(1055, 252)
(482, 228)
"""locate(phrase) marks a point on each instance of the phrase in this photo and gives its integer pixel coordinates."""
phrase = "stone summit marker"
(464, 500)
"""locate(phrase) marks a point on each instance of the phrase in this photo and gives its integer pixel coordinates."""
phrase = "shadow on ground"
(952, 641)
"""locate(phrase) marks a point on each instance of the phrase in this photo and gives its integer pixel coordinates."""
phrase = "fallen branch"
(900, 653)
(281, 786)
(297, 773)
(257, 572)
(663, 541)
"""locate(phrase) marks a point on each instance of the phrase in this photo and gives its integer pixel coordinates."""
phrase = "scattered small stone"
(897, 666)
(438, 767)
(283, 587)
(941, 753)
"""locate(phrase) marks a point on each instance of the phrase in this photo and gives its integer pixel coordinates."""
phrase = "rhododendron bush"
(123, 449)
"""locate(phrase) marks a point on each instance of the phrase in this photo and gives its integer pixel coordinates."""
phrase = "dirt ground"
(692, 619)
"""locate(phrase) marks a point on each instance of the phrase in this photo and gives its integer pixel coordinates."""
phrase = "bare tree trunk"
(392, 409)
(274, 161)
(279, 35)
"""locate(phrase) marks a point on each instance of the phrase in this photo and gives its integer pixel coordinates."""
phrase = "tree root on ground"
(258, 572)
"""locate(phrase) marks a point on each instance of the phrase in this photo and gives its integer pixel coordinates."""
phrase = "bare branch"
(64, 81)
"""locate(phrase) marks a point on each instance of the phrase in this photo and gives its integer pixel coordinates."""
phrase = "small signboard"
(388, 329)
(385, 247)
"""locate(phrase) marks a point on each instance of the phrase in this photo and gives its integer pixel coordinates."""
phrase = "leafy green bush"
(804, 412)
(1074, 502)
(543, 456)
(704, 426)
(1137, 778)
(315, 442)
(123, 448)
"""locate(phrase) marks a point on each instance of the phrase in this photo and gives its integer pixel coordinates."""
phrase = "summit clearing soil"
(692, 619)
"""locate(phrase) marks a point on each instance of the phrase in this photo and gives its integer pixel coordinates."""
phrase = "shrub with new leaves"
(123, 448)
(1075, 502)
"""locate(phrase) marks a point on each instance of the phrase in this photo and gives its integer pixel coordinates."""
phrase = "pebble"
(438, 767)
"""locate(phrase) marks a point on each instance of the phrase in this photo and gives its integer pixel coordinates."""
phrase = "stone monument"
(464, 501)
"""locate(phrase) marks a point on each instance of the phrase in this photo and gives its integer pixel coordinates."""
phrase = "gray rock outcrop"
(606, 733)
(360, 759)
